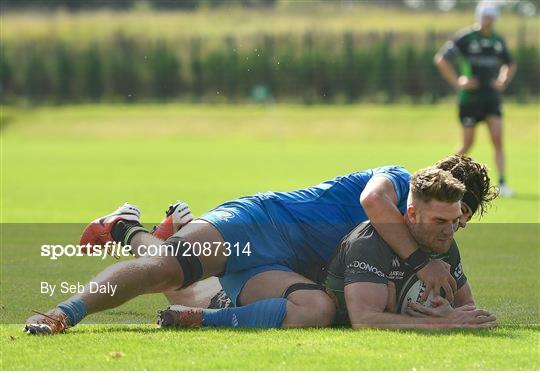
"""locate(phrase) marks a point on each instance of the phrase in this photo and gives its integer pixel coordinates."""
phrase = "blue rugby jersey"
(315, 219)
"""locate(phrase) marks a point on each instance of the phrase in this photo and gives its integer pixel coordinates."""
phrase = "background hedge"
(311, 68)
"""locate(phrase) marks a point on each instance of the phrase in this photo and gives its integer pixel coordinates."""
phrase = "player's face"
(434, 224)
(487, 22)
(466, 215)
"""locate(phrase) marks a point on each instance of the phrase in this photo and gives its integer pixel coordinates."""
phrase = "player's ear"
(411, 213)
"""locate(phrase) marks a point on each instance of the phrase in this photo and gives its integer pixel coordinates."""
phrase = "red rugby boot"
(98, 232)
(176, 217)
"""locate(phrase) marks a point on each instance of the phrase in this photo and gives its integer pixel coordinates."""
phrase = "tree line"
(311, 68)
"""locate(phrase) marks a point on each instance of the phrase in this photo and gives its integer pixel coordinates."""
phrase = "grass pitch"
(67, 165)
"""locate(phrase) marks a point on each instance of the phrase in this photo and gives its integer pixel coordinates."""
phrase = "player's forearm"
(447, 70)
(387, 320)
(388, 222)
(464, 296)
(506, 73)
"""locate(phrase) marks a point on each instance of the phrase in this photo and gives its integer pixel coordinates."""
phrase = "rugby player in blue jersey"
(347, 279)
(209, 293)
(361, 272)
(278, 236)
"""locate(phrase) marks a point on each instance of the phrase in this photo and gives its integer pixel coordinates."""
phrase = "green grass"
(112, 347)
(67, 165)
(57, 158)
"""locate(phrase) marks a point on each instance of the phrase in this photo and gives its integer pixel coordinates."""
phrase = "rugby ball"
(412, 292)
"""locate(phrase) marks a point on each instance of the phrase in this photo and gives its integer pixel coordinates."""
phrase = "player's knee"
(161, 273)
(190, 265)
(324, 308)
(497, 142)
(317, 307)
(468, 143)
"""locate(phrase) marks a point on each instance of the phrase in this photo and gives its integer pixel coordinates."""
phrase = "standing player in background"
(485, 70)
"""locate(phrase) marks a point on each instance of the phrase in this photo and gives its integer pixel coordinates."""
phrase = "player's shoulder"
(370, 172)
(498, 37)
(352, 246)
(362, 230)
(363, 176)
(453, 251)
(400, 178)
(390, 167)
(393, 170)
(465, 33)
(363, 238)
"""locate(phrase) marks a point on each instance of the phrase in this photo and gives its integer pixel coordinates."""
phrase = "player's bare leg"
(131, 278)
(468, 135)
(147, 274)
(153, 274)
(304, 307)
(269, 300)
(300, 304)
(495, 126)
(200, 293)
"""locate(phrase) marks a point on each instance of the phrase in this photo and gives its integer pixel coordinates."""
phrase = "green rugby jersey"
(477, 56)
(363, 256)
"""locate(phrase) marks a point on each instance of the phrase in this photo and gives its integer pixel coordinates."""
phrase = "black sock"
(124, 230)
(501, 180)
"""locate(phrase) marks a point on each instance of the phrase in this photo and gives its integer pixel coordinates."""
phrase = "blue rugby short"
(246, 223)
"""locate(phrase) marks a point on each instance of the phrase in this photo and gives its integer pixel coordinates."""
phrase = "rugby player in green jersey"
(485, 68)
